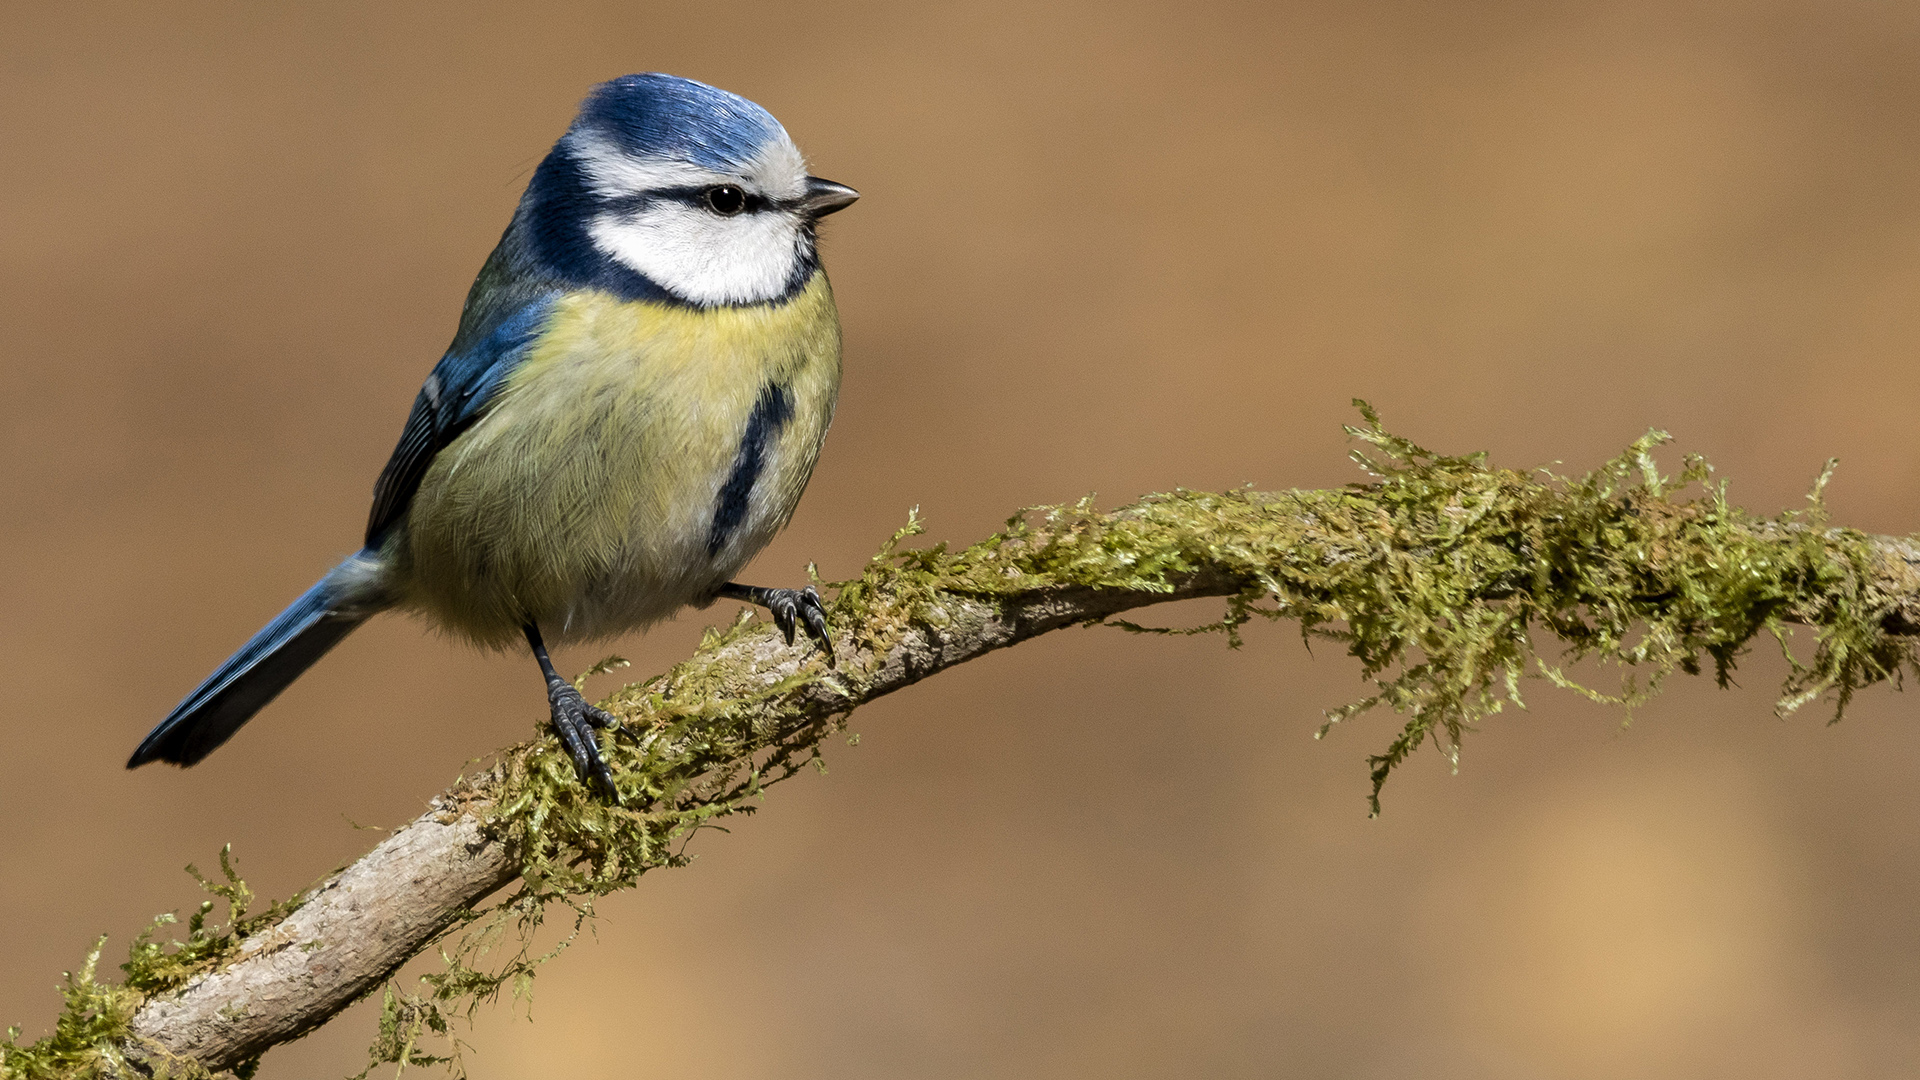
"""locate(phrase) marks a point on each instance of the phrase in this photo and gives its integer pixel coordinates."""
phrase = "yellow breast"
(614, 480)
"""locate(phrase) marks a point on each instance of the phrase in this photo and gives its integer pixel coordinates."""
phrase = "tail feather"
(250, 678)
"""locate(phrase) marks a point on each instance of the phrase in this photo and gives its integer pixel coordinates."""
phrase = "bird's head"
(667, 184)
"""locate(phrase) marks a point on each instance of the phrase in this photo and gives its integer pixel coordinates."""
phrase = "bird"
(639, 386)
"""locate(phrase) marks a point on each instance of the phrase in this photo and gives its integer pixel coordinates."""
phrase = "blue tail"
(250, 678)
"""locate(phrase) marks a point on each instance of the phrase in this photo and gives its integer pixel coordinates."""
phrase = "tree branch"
(1437, 576)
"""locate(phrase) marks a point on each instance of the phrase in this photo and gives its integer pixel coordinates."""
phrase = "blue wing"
(456, 394)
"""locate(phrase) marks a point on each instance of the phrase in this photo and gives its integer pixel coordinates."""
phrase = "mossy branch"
(1449, 580)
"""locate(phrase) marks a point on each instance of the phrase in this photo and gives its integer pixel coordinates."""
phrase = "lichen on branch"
(1449, 580)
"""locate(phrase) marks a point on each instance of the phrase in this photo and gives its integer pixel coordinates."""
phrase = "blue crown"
(665, 116)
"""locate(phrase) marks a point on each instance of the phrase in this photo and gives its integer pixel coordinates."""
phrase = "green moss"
(88, 1036)
(1450, 581)
(154, 968)
(91, 1034)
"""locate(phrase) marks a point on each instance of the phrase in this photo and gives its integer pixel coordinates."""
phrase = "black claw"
(781, 604)
(791, 609)
(814, 614)
(600, 718)
(574, 721)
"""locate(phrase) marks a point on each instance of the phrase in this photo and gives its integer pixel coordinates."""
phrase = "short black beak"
(823, 197)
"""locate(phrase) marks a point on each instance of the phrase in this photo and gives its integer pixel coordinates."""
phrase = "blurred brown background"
(1108, 248)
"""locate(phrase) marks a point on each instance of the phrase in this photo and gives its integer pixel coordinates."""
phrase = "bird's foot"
(792, 609)
(574, 721)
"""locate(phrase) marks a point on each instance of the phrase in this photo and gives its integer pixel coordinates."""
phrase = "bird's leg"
(789, 606)
(574, 721)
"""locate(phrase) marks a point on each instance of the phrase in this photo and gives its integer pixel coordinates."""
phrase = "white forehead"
(776, 169)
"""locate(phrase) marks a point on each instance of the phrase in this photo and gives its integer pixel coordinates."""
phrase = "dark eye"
(726, 200)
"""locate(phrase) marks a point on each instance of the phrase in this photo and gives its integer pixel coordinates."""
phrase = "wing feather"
(456, 394)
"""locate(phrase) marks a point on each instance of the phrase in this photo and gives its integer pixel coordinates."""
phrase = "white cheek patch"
(688, 250)
(702, 257)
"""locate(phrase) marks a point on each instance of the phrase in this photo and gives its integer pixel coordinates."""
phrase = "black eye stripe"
(687, 196)
(630, 204)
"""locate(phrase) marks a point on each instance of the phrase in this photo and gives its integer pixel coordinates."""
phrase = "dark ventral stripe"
(770, 414)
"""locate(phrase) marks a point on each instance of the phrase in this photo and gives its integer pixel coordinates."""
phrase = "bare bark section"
(343, 942)
(368, 920)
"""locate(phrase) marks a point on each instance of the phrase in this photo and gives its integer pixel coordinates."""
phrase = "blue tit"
(644, 372)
